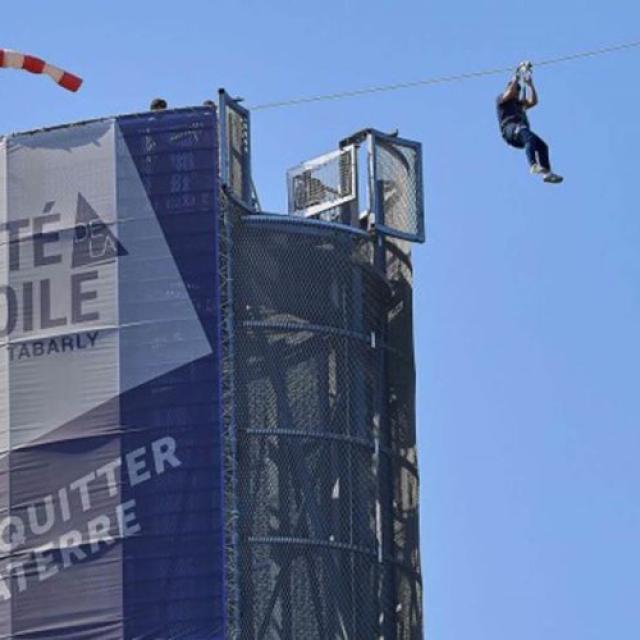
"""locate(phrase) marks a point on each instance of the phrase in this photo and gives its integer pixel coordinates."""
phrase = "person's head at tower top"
(158, 104)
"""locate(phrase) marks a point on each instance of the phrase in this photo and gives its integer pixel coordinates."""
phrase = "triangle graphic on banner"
(93, 241)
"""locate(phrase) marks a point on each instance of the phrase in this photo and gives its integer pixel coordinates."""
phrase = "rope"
(440, 80)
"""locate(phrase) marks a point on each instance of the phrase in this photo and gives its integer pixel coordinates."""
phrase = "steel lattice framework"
(321, 480)
(322, 483)
(232, 579)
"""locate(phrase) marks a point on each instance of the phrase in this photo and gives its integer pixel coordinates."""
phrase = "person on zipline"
(514, 123)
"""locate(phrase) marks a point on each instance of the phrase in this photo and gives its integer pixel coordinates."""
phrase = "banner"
(111, 515)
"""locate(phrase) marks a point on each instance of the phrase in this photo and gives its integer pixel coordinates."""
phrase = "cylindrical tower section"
(326, 476)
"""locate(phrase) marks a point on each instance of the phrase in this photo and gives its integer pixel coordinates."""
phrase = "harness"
(511, 138)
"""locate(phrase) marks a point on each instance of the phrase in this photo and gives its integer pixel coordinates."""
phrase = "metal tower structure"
(323, 482)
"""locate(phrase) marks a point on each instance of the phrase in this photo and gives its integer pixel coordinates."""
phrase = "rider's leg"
(536, 149)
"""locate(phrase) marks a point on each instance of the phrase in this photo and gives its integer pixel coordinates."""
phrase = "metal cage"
(235, 149)
(328, 187)
(395, 188)
(323, 183)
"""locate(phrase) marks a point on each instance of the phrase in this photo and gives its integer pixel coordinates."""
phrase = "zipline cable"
(440, 80)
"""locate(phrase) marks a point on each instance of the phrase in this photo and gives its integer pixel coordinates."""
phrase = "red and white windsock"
(14, 60)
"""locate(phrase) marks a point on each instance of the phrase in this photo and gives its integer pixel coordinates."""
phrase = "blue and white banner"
(110, 442)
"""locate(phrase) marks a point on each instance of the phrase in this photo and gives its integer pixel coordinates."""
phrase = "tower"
(326, 482)
(207, 426)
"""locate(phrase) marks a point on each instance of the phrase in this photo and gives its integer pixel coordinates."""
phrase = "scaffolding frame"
(299, 561)
(235, 150)
(409, 185)
(229, 426)
(267, 598)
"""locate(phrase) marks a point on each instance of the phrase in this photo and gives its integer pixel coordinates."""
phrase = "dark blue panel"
(173, 573)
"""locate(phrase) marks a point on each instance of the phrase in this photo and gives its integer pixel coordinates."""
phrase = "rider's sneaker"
(537, 168)
(553, 178)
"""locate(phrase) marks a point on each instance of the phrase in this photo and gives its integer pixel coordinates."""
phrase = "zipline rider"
(512, 106)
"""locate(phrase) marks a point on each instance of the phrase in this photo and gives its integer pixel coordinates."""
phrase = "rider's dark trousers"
(535, 147)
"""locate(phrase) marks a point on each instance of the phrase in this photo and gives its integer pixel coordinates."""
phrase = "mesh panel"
(401, 415)
(326, 501)
(238, 150)
(323, 183)
(399, 186)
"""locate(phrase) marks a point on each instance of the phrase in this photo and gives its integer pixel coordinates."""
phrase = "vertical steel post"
(383, 440)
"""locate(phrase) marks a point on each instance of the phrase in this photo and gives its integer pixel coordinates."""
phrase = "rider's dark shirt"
(511, 112)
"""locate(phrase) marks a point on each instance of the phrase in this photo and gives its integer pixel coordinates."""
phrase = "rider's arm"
(532, 100)
(511, 92)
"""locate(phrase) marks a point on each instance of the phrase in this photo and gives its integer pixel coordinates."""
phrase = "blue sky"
(527, 295)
